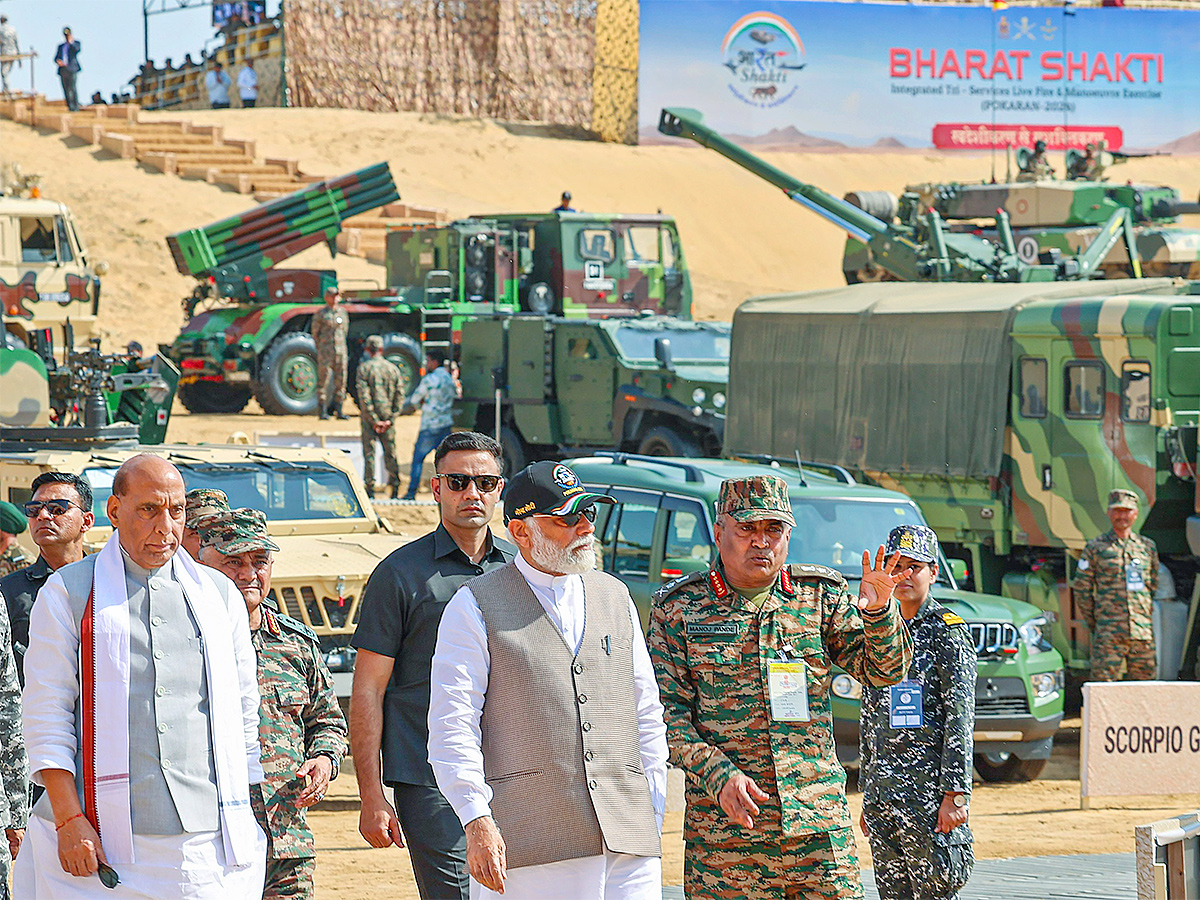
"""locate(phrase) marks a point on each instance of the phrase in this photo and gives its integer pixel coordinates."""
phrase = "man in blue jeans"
(435, 397)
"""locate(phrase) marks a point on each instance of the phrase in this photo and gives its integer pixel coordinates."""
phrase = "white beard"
(577, 557)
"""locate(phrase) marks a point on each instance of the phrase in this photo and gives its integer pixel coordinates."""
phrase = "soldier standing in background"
(435, 397)
(916, 742)
(201, 505)
(766, 796)
(380, 388)
(1037, 168)
(1114, 593)
(301, 728)
(330, 328)
(12, 523)
(9, 46)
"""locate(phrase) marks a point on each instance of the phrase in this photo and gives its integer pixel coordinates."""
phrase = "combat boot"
(323, 414)
(340, 413)
(395, 490)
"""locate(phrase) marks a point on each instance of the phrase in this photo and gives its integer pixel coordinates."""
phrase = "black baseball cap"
(547, 488)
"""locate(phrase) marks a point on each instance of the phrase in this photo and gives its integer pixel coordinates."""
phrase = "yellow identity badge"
(787, 684)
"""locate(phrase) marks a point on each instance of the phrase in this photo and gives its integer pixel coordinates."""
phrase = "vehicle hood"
(981, 607)
(352, 557)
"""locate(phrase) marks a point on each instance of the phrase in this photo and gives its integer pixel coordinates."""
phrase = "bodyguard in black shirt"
(397, 630)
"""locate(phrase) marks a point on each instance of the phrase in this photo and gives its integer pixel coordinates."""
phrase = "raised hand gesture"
(879, 582)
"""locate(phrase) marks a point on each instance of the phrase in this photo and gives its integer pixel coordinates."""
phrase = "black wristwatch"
(332, 761)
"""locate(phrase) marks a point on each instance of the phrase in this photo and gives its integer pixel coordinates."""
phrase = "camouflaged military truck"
(1062, 216)
(317, 509)
(1008, 413)
(552, 385)
(47, 275)
(248, 321)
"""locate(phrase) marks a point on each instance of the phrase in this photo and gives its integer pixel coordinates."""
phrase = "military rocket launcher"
(233, 256)
(917, 246)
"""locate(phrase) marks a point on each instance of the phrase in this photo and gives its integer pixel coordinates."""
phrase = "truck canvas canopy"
(893, 377)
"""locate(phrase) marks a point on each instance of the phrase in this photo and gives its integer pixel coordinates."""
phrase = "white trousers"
(613, 876)
(168, 867)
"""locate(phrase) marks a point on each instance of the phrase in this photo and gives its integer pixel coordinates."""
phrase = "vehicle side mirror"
(662, 352)
(958, 569)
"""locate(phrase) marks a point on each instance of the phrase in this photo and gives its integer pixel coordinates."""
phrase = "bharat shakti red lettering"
(1138, 68)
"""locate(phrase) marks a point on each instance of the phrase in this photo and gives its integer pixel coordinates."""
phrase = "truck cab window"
(37, 239)
(597, 243)
(1135, 391)
(1083, 390)
(1033, 387)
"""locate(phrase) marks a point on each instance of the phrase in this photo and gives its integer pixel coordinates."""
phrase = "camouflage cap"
(374, 342)
(1122, 499)
(917, 542)
(238, 531)
(755, 498)
(201, 503)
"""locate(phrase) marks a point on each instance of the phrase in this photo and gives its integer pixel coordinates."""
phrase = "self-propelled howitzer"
(917, 246)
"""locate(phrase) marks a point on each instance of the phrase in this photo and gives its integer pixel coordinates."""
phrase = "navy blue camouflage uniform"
(905, 772)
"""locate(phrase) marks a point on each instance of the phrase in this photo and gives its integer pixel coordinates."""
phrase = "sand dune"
(742, 237)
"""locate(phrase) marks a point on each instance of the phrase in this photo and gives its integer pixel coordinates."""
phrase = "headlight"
(719, 400)
(341, 659)
(1044, 684)
(698, 395)
(1036, 634)
(845, 686)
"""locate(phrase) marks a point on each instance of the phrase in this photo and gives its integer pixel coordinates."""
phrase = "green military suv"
(661, 527)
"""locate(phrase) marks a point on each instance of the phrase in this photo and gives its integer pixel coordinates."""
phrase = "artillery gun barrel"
(681, 122)
(1164, 209)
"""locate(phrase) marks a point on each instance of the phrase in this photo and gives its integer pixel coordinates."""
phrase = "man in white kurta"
(140, 712)
(546, 733)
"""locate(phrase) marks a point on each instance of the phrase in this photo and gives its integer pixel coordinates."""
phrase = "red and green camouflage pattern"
(1103, 388)
(1047, 214)
(248, 322)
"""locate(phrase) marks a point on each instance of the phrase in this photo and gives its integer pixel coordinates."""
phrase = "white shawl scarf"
(110, 702)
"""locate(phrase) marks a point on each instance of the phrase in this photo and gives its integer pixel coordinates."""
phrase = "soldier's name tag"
(907, 705)
(1134, 579)
(787, 686)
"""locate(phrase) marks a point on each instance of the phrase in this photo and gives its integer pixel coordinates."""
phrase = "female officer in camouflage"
(1114, 592)
(916, 742)
(743, 654)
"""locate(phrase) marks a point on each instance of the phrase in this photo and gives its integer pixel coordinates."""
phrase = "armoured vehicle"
(911, 241)
(317, 509)
(551, 385)
(1050, 215)
(47, 275)
(248, 322)
(1007, 414)
(662, 527)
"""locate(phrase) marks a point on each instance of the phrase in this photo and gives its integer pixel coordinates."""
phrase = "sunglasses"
(570, 520)
(55, 507)
(108, 876)
(458, 482)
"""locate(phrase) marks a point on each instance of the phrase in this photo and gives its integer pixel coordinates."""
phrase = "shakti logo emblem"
(763, 53)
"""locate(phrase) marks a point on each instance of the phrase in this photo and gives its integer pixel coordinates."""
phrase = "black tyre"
(663, 441)
(1001, 766)
(287, 384)
(405, 353)
(213, 397)
(515, 454)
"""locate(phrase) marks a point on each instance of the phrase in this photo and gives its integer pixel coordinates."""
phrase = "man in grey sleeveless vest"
(141, 716)
(546, 734)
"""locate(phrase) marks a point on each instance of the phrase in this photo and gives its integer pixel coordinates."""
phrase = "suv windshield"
(282, 490)
(707, 342)
(834, 533)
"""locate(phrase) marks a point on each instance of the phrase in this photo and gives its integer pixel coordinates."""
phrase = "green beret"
(12, 519)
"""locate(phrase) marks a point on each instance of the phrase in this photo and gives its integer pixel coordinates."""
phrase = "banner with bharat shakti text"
(807, 74)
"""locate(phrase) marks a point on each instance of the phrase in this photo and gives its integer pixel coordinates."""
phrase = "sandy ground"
(1040, 818)
(741, 236)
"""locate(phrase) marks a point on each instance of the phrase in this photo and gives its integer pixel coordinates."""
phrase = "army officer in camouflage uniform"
(916, 742)
(301, 728)
(14, 763)
(200, 506)
(1114, 592)
(12, 523)
(743, 654)
(330, 328)
(380, 399)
